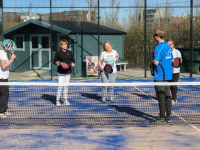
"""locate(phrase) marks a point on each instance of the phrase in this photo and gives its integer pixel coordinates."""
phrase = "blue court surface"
(36, 105)
(37, 123)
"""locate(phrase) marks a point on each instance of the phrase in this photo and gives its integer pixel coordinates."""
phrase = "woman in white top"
(4, 75)
(108, 56)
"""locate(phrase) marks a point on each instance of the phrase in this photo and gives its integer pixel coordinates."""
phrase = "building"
(34, 51)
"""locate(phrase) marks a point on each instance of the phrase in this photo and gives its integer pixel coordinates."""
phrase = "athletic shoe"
(58, 103)
(103, 100)
(66, 102)
(168, 119)
(2, 115)
(112, 100)
(7, 113)
(174, 102)
(158, 121)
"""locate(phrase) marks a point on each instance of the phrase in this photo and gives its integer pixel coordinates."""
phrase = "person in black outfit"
(67, 57)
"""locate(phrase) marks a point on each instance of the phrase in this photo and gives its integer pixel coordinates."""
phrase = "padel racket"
(64, 65)
(108, 68)
(152, 69)
(9, 45)
(176, 63)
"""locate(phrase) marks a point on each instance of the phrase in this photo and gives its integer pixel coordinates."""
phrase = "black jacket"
(66, 57)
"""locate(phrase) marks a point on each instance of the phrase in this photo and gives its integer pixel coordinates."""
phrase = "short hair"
(61, 43)
(170, 41)
(103, 47)
(159, 32)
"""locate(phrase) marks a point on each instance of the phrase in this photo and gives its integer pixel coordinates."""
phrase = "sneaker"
(58, 103)
(66, 102)
(112, 100)
(158, 121)
(168, 119)
(174, 102)
(7, 113)
(103, 100)
(2, 115)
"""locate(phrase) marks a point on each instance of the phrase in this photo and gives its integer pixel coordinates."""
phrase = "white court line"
(171, 111)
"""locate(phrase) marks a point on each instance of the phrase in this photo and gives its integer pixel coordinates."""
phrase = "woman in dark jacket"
(66, 56)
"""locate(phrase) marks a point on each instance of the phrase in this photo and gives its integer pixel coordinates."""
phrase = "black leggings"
(4, 94)
(163, 94)
(174, 88)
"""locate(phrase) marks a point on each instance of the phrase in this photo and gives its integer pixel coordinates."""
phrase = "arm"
(181, 59)
(5, 64)
(73, 61)
(155, 62)
(117, 57)
(100, 62)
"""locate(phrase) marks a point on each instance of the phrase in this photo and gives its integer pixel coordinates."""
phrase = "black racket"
(152, 69)
(108, 68)
(64, 65)
(176, 63)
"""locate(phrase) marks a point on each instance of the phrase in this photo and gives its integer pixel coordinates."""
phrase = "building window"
(19, 42)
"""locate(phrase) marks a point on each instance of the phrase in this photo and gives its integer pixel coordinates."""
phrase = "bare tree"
(111, 18)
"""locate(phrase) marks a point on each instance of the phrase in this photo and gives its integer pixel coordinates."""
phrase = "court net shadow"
(92, 96)
(51, 98)
(133, 111)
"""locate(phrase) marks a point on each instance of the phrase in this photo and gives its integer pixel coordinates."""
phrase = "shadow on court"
(51, 98)
(133, 111)
(145, 96)
(92, 96)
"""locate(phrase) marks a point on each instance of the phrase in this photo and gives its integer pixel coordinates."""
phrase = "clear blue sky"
(83, 3)
(11, 5)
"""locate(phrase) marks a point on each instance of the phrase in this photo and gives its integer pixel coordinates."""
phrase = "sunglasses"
(155, 35)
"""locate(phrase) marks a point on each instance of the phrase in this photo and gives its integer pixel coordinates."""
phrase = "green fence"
(185, 66)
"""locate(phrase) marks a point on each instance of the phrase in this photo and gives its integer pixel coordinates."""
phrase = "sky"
(84, 3)
(179, 7)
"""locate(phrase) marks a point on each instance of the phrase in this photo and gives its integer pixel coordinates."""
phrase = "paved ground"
(129, 73)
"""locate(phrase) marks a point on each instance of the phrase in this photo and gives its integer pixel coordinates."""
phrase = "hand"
(58, 63)
(72, 64)
(13, 56)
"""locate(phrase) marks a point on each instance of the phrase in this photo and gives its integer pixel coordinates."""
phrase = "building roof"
(70, 27)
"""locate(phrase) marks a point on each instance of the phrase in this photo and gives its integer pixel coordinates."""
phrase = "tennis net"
(34, 103)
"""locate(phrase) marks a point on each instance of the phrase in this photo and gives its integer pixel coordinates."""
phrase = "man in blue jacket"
(162, 61)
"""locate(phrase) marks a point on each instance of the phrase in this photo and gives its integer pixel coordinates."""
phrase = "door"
(40, 52)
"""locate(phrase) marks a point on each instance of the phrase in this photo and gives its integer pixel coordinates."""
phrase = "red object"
(64, 65)
(176, 63)
(89, 58)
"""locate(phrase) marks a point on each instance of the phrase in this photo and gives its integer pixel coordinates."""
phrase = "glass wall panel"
(25, 3)
(121, 22)
(175, 22)
(30, 29)
(81, 34)
(167, 3)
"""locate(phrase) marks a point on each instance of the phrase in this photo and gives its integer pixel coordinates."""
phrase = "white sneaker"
(66, 102)
(2, 115)
(174, 102)
(7, 113)
(58, 103)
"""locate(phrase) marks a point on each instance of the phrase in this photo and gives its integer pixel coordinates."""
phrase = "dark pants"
(4, 94)
(163, 94)
(174, 88)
